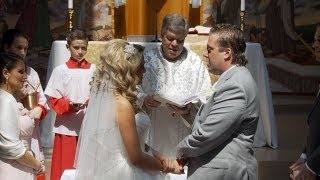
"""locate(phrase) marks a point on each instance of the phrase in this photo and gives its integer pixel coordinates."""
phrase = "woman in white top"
(16, 159)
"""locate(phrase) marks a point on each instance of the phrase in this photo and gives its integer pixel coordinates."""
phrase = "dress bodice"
(26, 126)
(16, 131)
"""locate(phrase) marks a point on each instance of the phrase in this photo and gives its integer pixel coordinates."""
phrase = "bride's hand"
(167, 164)
(171, 166)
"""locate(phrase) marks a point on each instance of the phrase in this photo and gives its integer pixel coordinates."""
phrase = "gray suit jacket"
(219, 146)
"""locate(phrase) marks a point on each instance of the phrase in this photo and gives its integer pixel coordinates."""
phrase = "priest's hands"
(177, 111)
(150, 102)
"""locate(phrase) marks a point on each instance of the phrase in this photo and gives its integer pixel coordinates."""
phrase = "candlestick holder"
(242, 13)
(70, 12)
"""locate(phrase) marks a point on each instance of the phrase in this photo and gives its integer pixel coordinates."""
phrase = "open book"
(179, 103)
(202, 30)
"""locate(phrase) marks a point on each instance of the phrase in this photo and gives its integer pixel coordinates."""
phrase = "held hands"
(41, 169)
(171, 166)
(168, 165)
(299, 170)
(150, 102)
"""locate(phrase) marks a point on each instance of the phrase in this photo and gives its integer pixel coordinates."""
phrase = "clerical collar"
(183, 53)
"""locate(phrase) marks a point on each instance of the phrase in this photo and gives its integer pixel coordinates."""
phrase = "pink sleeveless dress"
(9, 168)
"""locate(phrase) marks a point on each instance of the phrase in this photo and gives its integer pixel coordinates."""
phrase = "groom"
(219, 146)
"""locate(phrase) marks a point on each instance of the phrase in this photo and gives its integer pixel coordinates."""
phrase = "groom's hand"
(171, 166)
(182, 161)
(178, 168)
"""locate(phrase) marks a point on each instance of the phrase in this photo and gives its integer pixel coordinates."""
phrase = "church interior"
(284, 63)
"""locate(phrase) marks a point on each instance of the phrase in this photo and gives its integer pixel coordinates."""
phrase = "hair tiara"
(130, 50)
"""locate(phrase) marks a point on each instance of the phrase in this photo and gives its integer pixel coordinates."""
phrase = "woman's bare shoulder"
(122, 101)
(124, 107)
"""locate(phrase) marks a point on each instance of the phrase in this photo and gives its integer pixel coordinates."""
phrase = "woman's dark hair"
(9, 36)
(8, 61)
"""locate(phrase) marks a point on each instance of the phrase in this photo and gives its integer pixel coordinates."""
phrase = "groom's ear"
(227, 53)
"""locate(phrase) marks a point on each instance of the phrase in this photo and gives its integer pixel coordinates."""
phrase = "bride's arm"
(173, 166)
(127, 126)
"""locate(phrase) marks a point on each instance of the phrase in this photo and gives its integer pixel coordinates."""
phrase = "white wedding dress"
(101, 153)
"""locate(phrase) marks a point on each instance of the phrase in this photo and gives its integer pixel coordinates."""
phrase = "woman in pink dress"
(16, 159)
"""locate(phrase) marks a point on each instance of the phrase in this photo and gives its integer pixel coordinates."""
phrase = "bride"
(111, 143)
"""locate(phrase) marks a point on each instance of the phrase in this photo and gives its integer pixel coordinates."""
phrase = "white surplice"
(72, 84)
(178, 80)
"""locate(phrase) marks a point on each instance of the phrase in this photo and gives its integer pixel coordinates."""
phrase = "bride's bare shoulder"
(123, 105)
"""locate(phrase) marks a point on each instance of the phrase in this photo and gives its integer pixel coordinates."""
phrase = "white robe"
(176, 80)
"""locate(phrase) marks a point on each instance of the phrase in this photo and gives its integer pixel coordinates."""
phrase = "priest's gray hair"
(174, 22)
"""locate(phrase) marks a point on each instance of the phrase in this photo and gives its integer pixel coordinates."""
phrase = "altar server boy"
(68, 90)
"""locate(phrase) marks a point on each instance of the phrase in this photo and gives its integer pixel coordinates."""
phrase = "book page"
(181, 103)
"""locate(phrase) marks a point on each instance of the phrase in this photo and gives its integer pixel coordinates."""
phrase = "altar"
(266, 134)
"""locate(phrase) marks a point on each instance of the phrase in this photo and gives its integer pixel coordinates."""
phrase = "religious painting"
(47, 20)
(284, 28)
(293, 20)
(93, 16)
(96, 17)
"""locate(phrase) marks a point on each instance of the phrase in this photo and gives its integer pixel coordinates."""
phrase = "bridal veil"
(100, 152)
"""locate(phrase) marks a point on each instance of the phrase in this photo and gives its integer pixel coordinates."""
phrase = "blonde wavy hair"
(117, 69)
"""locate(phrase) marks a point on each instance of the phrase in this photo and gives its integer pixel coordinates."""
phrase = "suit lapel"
(205, 108)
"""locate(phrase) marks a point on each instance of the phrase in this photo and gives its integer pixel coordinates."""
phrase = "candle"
(243, 5)
(70, 4)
